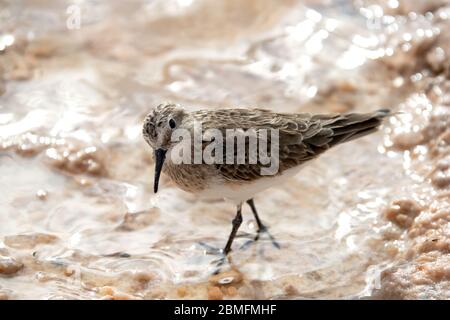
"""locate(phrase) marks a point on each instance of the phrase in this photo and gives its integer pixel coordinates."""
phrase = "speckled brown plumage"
(301, 138)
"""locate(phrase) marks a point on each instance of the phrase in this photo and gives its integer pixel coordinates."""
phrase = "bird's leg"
(237, 221)
(261, 227)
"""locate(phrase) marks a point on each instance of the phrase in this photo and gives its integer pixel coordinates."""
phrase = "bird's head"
(157, 130)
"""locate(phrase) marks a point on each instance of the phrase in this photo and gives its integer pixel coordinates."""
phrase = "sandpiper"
(300, 138)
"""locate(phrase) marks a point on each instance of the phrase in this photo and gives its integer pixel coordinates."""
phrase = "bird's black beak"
(160, 156)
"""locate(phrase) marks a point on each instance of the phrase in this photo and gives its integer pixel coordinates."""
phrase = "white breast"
(240, 192)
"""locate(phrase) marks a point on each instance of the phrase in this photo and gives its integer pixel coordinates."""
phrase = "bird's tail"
(352, 126)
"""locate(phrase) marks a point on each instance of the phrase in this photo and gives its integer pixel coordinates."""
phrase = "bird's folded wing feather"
(302, 137)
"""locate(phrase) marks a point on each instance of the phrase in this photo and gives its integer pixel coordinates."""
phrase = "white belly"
(240, 192)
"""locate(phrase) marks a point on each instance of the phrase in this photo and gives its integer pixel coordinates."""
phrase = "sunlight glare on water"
(80, 220)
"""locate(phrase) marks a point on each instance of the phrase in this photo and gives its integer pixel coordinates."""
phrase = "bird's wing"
(302, 137)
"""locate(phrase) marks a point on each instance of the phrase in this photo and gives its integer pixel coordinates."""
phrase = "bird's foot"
(211, 250)
(261, 231)
(219, 263)
(244, 235)
(221, 260)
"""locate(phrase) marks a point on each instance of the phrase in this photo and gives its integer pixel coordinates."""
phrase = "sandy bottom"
(79, 220)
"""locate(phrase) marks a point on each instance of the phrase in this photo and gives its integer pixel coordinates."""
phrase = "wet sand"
(79, 220)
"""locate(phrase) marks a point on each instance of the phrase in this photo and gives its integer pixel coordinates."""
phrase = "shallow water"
(368, 219)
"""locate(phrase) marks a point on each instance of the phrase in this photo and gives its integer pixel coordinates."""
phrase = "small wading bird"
(301, 138)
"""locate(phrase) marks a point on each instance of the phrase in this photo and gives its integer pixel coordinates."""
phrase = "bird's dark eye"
(172, 123)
